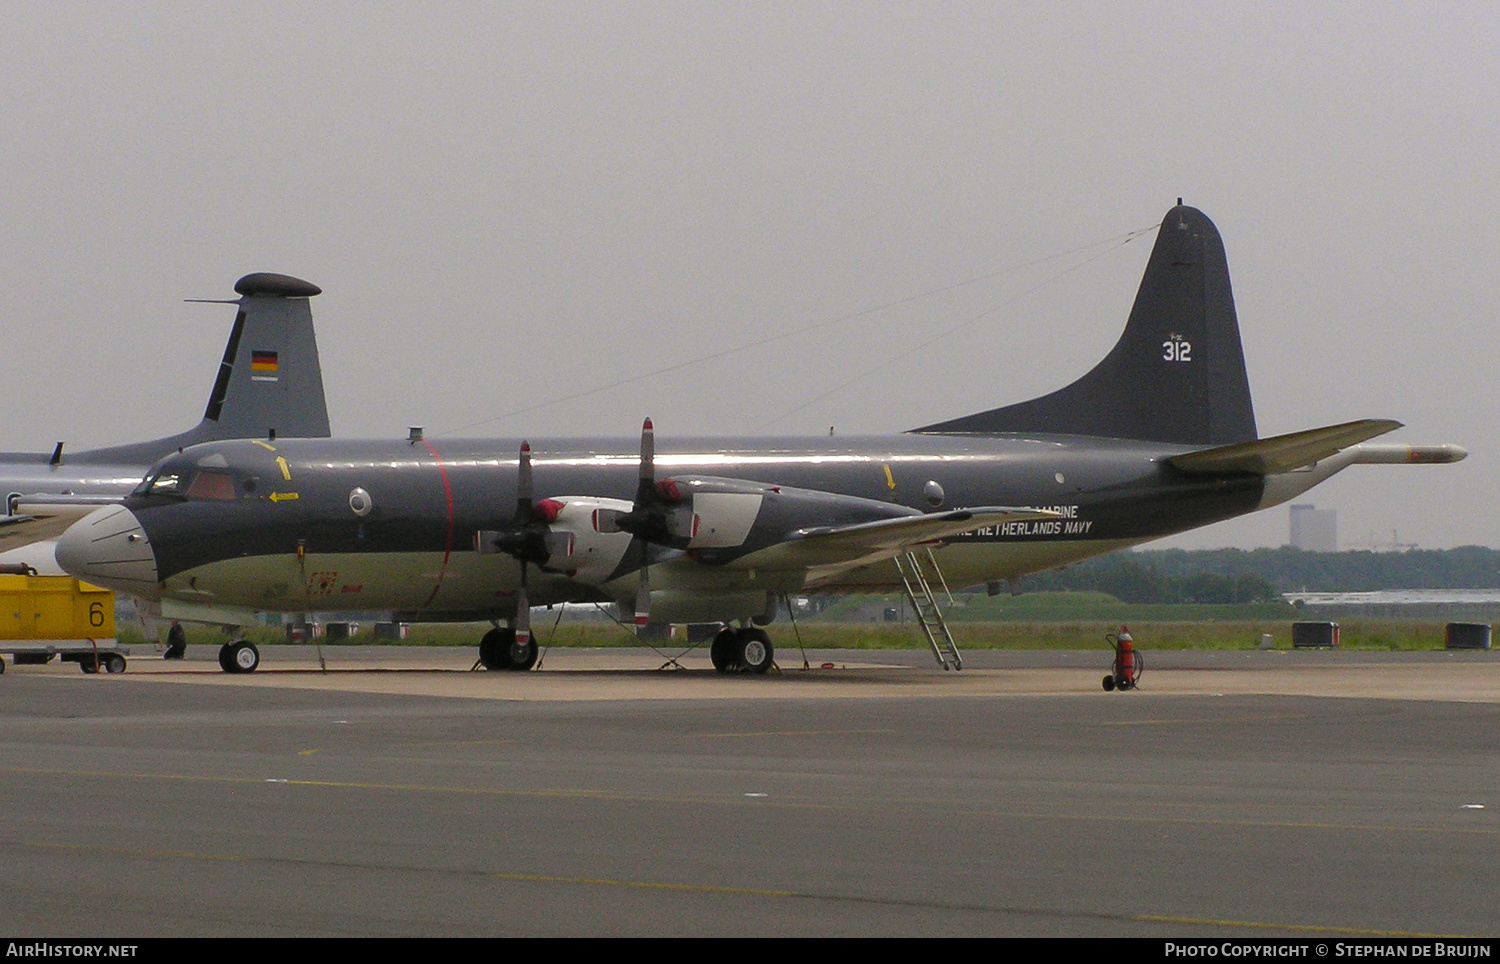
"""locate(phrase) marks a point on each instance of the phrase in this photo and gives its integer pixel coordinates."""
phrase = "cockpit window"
(168, 483)
(208, 484)
(212, 484)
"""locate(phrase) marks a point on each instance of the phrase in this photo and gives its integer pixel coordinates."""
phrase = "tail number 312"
(1177, 350)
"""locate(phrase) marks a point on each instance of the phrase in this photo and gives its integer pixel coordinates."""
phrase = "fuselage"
(282, 526)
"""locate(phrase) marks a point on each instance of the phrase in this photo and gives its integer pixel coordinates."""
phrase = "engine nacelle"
(580, 548)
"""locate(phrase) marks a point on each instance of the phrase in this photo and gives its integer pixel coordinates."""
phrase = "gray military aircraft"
(269, 383)
(1158, 438)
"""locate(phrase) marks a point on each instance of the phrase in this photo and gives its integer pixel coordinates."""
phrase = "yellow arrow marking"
(889, 479)
(283, 496)
(267, 447)
(286, 473)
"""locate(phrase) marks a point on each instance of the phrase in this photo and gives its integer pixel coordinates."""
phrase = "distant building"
(1314, 529)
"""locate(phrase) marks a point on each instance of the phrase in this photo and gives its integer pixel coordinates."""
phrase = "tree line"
(1258, 575)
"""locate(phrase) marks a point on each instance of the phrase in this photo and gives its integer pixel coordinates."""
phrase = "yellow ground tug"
(44, 617)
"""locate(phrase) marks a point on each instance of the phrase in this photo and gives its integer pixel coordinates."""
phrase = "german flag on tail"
(264, 361)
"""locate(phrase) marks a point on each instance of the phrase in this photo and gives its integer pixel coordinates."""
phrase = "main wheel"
(176, 643)
(494, 648)
(522, 657)
(114, 663)
(724, 650)
(1109, 682)
(756, 651)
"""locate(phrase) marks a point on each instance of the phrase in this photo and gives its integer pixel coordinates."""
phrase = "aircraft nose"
(109, 548)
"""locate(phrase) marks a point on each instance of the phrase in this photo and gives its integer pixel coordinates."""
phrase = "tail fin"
(1176, 375)
(270, 379)
(269, 383)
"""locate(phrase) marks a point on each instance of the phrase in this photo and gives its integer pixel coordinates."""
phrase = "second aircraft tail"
(1177, 374)
(270, 383)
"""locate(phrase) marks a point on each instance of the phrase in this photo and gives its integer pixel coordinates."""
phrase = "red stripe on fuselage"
(448, 543)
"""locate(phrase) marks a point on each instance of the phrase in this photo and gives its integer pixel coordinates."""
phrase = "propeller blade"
(643, 600)
(643, 489)
(523, 485)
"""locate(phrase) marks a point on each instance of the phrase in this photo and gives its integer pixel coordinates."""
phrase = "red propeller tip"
(646, 426)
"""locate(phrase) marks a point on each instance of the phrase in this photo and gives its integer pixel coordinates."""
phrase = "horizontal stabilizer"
(1282, 453)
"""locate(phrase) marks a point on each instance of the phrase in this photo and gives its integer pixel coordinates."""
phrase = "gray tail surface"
(1176, 375)
(270, 379)
(269, 384)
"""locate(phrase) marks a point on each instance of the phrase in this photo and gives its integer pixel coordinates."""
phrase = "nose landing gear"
(239, 656)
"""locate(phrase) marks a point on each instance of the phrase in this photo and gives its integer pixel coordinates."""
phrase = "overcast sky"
(507, 204)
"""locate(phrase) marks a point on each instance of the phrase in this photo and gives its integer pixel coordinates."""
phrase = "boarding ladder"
(924, 604)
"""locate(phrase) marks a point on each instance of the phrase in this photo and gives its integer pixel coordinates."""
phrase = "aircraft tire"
(522, 658)
(176, 643)
(494, 649)
(240, 656)
(724, 650)
(755, 650)
(114, 663)
(1109, 682)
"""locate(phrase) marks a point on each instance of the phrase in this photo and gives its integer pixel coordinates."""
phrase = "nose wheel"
(239, 656)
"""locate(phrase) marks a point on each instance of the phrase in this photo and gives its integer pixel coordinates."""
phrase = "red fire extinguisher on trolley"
(1126, 672)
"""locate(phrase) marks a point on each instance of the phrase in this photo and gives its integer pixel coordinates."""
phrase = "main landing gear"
(746, 650)
(499, 650)
(239, 656)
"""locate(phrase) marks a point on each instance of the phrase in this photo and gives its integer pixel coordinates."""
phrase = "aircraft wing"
(1282, 453)
(45, 518)
(835, 548)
